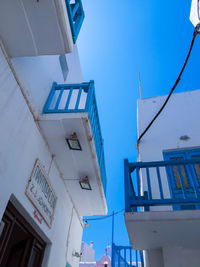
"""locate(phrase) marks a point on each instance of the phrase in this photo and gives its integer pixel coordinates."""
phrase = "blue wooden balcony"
(76, 16)
(124, 256)
(174, 183)
(79, 99)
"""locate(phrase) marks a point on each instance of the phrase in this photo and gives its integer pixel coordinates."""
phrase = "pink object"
(36, 215)
(105, 261)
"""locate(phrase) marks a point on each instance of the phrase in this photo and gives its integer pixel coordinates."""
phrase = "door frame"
(11, 217)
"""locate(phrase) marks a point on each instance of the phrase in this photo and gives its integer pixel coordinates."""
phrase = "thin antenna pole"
(112, 255)
(113, 219)
(140, 86)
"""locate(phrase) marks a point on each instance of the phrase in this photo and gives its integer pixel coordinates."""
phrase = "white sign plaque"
(41, 193)
(195, 12)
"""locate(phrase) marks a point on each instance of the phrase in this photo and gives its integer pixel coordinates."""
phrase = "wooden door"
(20, 245)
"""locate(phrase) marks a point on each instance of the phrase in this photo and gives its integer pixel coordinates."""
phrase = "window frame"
(190, 172)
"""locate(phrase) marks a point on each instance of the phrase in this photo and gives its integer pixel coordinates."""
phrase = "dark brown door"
(20, 245)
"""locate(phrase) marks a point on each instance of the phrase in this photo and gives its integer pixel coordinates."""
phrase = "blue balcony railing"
(175, 183)
(123, 256)
(78, 98)
(76, 16)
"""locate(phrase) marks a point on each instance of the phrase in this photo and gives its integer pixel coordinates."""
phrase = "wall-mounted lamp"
(73, 142)
(76, 254)
(184, 138)
(85, 184)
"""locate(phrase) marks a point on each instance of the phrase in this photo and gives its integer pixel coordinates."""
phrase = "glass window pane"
(185, 178)
(177, 176)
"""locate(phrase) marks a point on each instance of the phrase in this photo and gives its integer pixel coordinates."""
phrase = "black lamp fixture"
(73, 142)
(85, 184)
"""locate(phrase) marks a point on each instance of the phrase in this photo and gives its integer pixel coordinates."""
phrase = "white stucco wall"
(179, 118)
(87, 253)
(172, 256)
(181, 257)
(21, 144)
(153, 258)
(37, 74)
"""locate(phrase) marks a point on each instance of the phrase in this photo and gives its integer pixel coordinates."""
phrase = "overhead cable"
(104, 217)
(196, 31)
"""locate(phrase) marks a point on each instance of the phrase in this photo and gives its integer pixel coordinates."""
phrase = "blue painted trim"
(136, 258)
(68, 100)
(159, 202)
(134, 200)
(127, 187)
(78, 98)
(53, 104)
(76, 16)
(51, 95)
(142, 258)
(73, 85)
(124, 256)
(64, 111)
(182, 181)
(159, 183)
(59, 98)
(151, 164)
(149, 183)
(138, 183)
(75, 9)
(194, 189)
(130, 251)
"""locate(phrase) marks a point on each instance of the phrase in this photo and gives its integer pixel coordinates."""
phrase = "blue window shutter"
(190, 174)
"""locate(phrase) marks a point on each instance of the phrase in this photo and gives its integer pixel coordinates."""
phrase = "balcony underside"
(32, 28)
(157, 229)
(74, 165)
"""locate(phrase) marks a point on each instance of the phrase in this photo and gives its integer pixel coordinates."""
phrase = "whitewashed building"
(162, 189)
(52, 168)
(87, 258)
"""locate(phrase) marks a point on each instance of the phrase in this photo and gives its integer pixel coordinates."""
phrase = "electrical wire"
(196, 31)
(104, 217)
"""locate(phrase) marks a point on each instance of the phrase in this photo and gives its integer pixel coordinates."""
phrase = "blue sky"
(118, 40)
